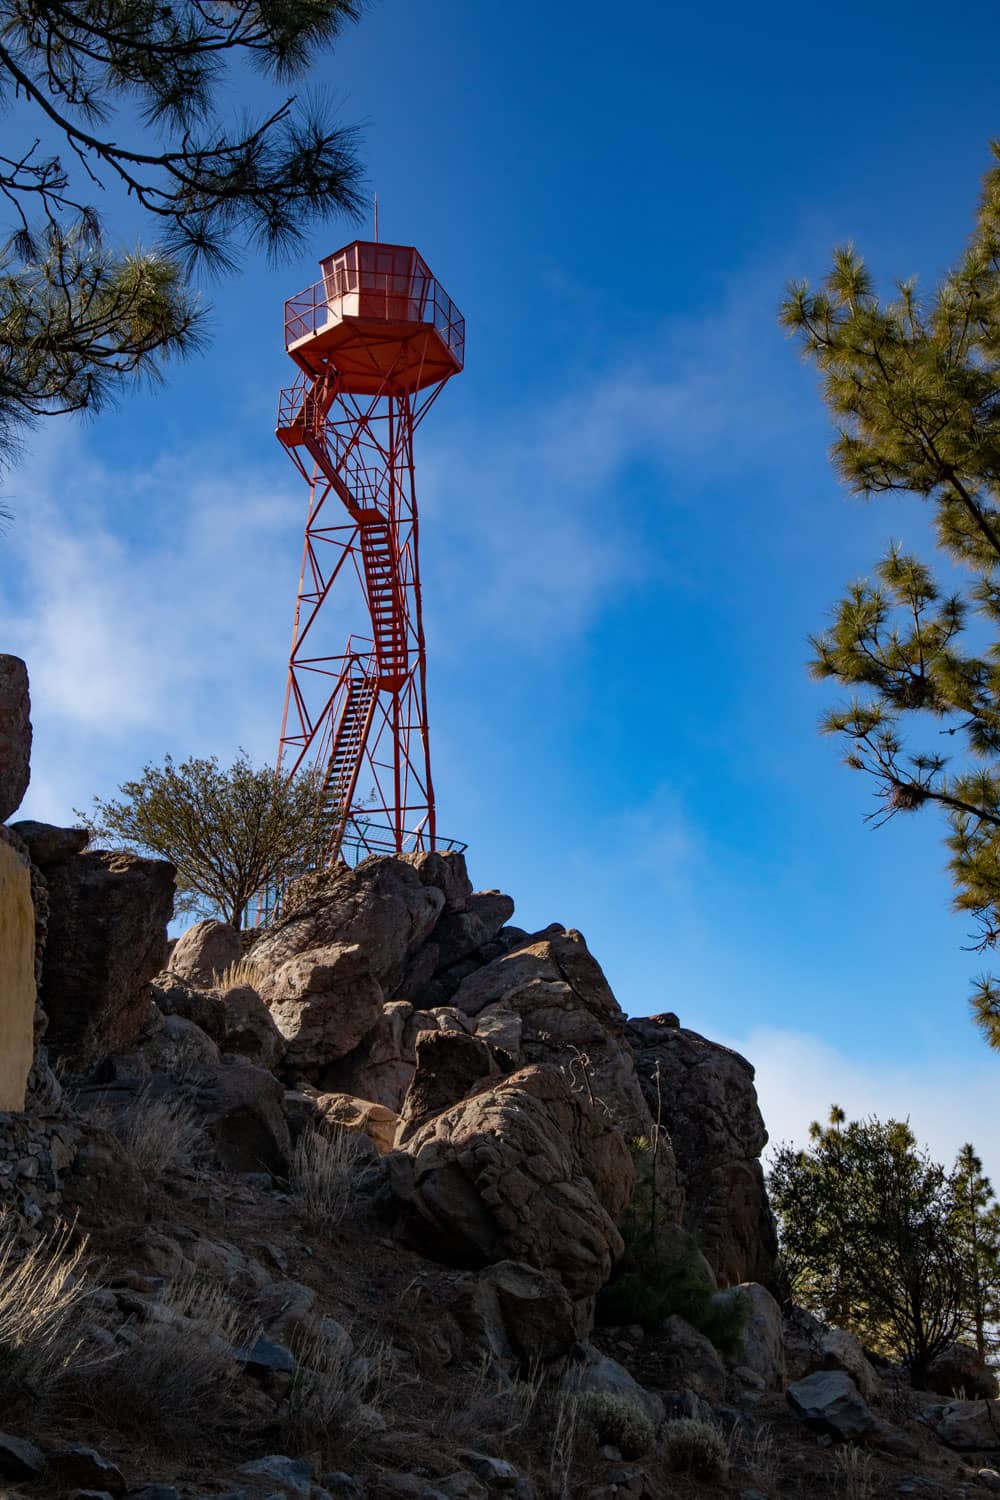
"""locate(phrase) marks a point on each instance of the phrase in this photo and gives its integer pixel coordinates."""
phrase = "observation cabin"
(379, 319)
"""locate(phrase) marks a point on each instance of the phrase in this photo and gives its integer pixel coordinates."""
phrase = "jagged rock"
(382, 1067)
(85, 1468)
(502, 1027)
(829, 1402)
(20, 1459)
(959, 1371)
(15, 734)
(444, 870)
(175, 997)
(375, 1121)
(569, 1016)
(243, 1109)
(292, 1475)
(323, 1003)
(709, 1107)
(760, 1347)
(204, 952)
(249, 1029)
(458, 935)
(596, 1372)
(970, 1426)
(381, 907)
(516, 1312)
(525, 1170)
(686, 1360)
(108, 914)
(49, 846)
(102, 1185)
(449, 1065)
(172, 1044)
(265, 1357)
(840, 1350)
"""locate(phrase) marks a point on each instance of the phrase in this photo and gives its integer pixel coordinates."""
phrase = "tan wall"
(17, 978)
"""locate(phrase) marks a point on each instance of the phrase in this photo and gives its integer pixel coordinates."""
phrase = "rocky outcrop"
(15, 734)
(971, 1426)
(48, 845)
(525, 1170)
(449, 1066)
(517, 1313)
(107, 933)
(759, 1351)
(568, 1017)
(331, 1112)
(17, 974)
(709, 1107)
(202, 954)
(323, 1002)
(381, 907)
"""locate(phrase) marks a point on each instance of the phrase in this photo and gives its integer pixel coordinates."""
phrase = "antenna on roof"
(375, 205)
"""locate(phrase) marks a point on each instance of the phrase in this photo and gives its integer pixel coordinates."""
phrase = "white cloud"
(947, 1102)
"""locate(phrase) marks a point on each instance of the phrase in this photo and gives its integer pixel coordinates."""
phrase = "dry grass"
(332, 1391)
(160, 1135)
(176, 1380)
(41, 1292)
(758, 1453)
(495, 1404)
(854, 1470)
(564, 1421)
(324, 1169)
(242, 972)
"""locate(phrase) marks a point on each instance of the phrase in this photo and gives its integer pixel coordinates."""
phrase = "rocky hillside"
(334, 1210)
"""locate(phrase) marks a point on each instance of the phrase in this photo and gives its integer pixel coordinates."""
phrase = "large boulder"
(203, 953)
(708, 1103)
(959, 1371)
(971, 1426)
(449, 1066)
(760, 1346)
(381, 907)
(15, 734)
(323, 1002)
(445, 870)
(49, 845)
(597, 1372)
(517, 1312)
(107, 935)
(248, 1027)
(525, 1170)
(685, 1360)
(830, 1403)
(243, 1110)
(569, 1017)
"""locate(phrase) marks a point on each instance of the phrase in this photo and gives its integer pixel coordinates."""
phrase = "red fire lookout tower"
(375, 342)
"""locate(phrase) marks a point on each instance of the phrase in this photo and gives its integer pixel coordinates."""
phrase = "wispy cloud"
(947, 1103)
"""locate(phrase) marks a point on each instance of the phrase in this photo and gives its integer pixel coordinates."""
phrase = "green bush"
(662, 1272)
(695, 1447)
(617, 1420)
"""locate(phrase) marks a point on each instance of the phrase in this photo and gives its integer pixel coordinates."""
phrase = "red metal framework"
(375, 341)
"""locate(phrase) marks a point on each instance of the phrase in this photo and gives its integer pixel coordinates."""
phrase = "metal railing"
(396, 297)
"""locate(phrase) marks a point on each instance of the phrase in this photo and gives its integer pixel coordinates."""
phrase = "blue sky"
(629, 525)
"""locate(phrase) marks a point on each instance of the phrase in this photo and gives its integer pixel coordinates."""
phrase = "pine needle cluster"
(913, 386)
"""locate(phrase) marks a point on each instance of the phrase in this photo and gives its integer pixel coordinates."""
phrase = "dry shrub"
(332, 1394)
(324, 1169)
(695, 1447)
(160, 1135)
(495, 1404)
(618, 1421)
(176, 1379)
(243, 971)
(41, 1292)
(854, 1470)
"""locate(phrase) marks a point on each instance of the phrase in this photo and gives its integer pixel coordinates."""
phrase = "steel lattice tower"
(375, 341)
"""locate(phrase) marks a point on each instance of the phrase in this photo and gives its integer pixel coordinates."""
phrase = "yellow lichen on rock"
(17, 977)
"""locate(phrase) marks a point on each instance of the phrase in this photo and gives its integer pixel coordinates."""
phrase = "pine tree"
(128, 95)
(913, 386)
(865, 1220)
(975, 1227)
